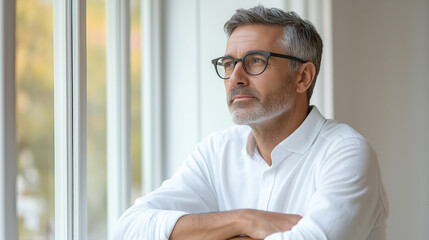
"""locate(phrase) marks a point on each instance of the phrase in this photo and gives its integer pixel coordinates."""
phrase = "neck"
(270, 133)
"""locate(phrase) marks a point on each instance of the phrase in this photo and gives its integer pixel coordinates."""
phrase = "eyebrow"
(245, 53)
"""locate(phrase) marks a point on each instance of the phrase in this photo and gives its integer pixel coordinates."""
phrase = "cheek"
(227, 86)
(268, 85)
(277, 88)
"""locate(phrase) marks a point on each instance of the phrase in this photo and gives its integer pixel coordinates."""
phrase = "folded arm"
(254, 224)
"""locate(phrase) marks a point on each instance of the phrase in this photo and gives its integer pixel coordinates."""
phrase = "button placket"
(267, 183)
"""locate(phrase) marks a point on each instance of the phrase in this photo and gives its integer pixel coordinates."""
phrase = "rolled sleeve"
(140, 222)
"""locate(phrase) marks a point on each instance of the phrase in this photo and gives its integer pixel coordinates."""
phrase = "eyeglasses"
(254, 63)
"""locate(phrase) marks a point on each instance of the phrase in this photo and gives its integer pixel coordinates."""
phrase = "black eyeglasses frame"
(267, 55)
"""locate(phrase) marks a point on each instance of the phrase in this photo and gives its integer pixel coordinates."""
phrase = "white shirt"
(324, 171)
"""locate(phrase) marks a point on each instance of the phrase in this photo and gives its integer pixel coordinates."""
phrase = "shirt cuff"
(169, 220)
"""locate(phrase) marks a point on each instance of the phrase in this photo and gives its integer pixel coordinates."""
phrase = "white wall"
(381, 85)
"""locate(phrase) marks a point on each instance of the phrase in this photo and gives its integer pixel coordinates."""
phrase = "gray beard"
(262, 111)
(259, 113)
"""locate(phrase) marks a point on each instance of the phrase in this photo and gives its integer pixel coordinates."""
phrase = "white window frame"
(151, 95)
(8, 167)
(118, 104)
(70, 119)
(118, 112)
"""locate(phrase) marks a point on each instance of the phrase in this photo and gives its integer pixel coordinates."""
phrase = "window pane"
(96, 116)
(135, 100)
(35, 122)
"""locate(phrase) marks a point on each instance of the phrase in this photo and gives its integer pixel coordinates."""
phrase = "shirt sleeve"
(189, 191)
(349, 201)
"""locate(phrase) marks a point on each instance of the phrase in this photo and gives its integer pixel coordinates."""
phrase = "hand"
(260, 224)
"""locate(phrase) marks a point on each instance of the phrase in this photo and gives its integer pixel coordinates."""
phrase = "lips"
(237, 95)
(241, 97)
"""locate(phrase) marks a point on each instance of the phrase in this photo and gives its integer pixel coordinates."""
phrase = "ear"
(304, 76)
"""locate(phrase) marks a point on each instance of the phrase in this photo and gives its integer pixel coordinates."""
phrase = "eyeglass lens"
(253, 63)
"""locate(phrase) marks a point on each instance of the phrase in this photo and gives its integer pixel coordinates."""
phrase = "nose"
(238, 76)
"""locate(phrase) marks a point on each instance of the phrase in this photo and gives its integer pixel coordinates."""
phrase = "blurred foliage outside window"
(96, 119)
(35, 119)
(135, 100)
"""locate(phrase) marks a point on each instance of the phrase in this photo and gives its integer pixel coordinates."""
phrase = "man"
(286, 172)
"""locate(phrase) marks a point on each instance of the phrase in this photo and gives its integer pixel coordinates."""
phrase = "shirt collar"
(303, 137)
(298, 142)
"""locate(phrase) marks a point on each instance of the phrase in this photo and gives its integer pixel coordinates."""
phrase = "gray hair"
(300, 38)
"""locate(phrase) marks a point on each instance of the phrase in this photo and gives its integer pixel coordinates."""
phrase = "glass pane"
(96, 116)
(135, 100)
(35, 121)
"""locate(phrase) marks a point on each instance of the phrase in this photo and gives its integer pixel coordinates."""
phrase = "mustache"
(242, 91)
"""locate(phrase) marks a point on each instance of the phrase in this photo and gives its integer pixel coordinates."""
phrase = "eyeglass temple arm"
(288, 57)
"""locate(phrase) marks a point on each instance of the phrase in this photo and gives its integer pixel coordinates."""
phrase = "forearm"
(225, 225)
(222, 225)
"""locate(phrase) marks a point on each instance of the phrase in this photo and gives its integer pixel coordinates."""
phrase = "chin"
(246, 119)
(255, 116)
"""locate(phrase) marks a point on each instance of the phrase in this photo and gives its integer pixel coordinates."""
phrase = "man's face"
(257, 99)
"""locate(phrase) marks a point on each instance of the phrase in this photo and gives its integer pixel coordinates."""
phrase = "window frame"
(151, 95)
(8, 165)
(118, 111)
(69, 24)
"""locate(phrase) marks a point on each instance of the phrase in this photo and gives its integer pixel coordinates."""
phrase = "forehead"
(255, 37)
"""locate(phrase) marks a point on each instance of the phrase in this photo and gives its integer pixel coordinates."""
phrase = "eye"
(227, 63)
(255, 60)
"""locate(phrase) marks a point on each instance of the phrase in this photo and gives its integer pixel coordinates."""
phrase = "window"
(52, 125)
